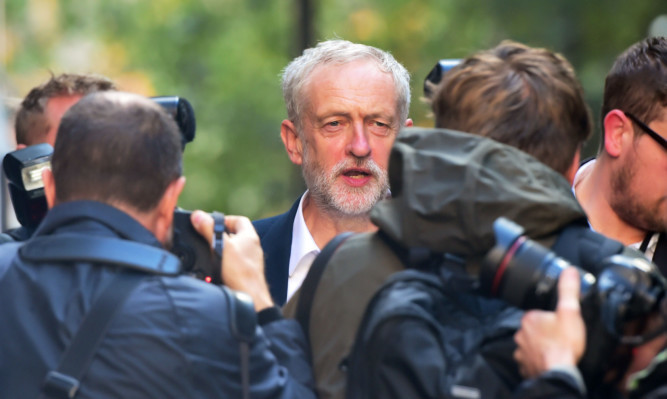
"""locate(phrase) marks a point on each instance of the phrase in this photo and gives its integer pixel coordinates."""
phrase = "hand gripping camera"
(23, 169)
(614, 304)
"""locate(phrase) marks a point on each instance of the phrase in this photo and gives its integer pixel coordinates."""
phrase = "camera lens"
(523, 272)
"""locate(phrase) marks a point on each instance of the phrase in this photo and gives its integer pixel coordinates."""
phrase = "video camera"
(626, 291)
(23, 169)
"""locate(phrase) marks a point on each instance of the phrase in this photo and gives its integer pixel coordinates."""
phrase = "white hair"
(296, 74)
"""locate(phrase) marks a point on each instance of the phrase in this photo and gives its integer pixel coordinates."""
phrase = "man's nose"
(359, 147)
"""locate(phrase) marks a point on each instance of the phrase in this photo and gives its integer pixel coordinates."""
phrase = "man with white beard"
(345, 104)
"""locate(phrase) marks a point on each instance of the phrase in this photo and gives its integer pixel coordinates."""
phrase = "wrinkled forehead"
(349, 81)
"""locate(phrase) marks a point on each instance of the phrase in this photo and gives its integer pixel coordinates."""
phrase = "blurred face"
(55, 109)
(348, 126)
(639, 184)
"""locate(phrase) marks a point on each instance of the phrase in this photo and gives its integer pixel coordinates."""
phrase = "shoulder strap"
(243, 323)
(356, 361)
(660, 255)
(312, 280)
(64, 382)
(81, 248)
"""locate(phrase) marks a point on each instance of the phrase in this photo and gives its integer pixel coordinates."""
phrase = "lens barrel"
(523, 272)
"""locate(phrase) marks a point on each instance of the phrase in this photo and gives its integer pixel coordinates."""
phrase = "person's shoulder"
(363, 255)
(21, 233)
(264, 225)
(355, 271)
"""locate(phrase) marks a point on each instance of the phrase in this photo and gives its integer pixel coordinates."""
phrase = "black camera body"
(626, 289)
(197, 257)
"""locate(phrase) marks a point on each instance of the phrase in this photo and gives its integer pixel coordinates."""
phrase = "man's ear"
(617, 132)
(49, 187)
(165, 209)
(292, 143)
(408, 122)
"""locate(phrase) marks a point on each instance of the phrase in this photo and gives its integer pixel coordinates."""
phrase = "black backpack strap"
(64, 382)
(312, 280)
(243, 323)
(81, 248)
(660, 255)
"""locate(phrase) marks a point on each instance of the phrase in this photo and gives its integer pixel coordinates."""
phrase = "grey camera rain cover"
(449, 187)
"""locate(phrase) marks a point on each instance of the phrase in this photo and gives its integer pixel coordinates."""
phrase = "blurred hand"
(642, 355)
(548, 339)
(242, 256)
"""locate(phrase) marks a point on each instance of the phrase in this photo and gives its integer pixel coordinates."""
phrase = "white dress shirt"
(303, 251)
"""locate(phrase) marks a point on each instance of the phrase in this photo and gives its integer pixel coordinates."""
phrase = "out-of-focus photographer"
(39, 115)
(95, 307)
(38, 118)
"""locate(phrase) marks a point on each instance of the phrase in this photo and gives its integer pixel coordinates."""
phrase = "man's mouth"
(356, 174)
(357, 177)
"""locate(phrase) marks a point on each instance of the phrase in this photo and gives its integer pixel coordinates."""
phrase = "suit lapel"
(277, 245)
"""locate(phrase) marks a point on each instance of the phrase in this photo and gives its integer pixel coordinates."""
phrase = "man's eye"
(334, 124)
(380, 126)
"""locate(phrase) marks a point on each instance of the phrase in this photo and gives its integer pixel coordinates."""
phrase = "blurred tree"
(226, 57)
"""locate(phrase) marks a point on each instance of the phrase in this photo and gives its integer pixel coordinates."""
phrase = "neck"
(324, 225)
(593, 191)
(149, 220)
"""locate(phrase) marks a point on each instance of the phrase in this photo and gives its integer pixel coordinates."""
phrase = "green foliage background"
(225, 56)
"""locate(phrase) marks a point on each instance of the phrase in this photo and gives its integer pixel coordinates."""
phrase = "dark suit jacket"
(275, 234)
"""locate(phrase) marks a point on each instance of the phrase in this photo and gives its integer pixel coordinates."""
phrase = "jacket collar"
(95, 217)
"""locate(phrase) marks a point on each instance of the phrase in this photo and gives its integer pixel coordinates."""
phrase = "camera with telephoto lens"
(23, 169)
(615, 303)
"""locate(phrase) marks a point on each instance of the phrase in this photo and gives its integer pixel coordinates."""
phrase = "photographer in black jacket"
(115, 182)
